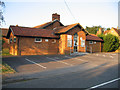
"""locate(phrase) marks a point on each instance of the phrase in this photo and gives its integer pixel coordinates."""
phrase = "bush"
(111, 43)
(101, 36)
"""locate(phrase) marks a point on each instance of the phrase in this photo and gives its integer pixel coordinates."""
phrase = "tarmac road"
(86, 71)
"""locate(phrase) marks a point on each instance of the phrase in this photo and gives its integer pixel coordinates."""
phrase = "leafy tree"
(101, 36)
(111, 43)
(108, 28)
(2, 5)
(94, 29)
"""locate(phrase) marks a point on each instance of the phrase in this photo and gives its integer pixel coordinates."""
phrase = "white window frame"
(94, 42)
(69, 40)
(82, 43)
(38, 41)
(14, 39)
(90, 42)
(46, 40)
(10, 40)
(54, 41)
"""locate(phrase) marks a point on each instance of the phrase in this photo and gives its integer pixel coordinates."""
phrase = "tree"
(108, 28)
(94, 29)
(111, 43)
(2, 5)
(101, 36)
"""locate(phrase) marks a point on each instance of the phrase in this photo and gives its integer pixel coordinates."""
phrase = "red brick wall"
(95, 47)
(13, 45)
(63, 48)
(28, 46)
(6, 43)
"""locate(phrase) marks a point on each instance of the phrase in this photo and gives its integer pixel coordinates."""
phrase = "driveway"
(91, 69)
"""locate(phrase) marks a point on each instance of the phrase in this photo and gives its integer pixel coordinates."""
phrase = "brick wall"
(13, 45)
(95, 47)
(63, 48)
(28, 46)
(6, 43)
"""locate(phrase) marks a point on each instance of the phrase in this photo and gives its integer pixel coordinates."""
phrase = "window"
(69, 40)
(46, 40)
(53, 41)
(90, 42)
(10, 40)
(38, 39)
(82, 43)
(14, 39)
(94, 42)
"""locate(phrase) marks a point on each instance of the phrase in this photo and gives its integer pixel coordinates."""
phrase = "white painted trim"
(54, 41)
(90, 43)
(38, 41)
(46, 40)
(12, 31)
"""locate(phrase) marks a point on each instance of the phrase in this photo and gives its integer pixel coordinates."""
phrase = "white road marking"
(35, 63)
(111, 56)
(56, 58)
(96, 54)
(75, 58)
(103, 55)
(60, 61)
(103, 84)
(110, 53)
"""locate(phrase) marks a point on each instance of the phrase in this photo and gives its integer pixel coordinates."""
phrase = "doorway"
(75, 42)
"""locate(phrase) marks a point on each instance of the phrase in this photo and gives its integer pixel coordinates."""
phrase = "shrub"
(111, 43)
(101, 36)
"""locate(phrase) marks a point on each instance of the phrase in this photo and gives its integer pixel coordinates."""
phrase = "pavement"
(63, 71)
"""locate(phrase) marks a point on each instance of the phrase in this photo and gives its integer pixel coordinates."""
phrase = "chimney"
(17, 25)
(55, 16)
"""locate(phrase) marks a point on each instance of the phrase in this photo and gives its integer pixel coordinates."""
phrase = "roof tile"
(33, 32)
(93, 38)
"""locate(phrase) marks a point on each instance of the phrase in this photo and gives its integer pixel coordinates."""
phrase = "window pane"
(82, 43)
(38, 39)
(69, 40)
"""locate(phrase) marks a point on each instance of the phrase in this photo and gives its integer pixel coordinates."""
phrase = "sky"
(30, 13)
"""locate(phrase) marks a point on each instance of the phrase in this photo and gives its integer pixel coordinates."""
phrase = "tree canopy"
(93, 30)
(2, 5)
(111, 42)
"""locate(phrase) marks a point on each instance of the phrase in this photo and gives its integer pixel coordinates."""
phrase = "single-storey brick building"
(4, 35)
(52, 38)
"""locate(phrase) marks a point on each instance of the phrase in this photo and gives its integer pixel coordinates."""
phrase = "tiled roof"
(4, 31)
(32, 32)
(43, 25)
(118, 31)
(47, 24)
(64, 29)
(106, 31)
(93, 38)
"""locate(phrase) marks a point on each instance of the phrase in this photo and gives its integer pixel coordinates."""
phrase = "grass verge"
(6, 68)
(5, 52)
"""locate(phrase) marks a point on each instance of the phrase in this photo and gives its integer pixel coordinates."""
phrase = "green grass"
(6, 68)
(5, 52)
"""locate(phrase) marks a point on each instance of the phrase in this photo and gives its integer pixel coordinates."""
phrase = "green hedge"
(111, 42)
